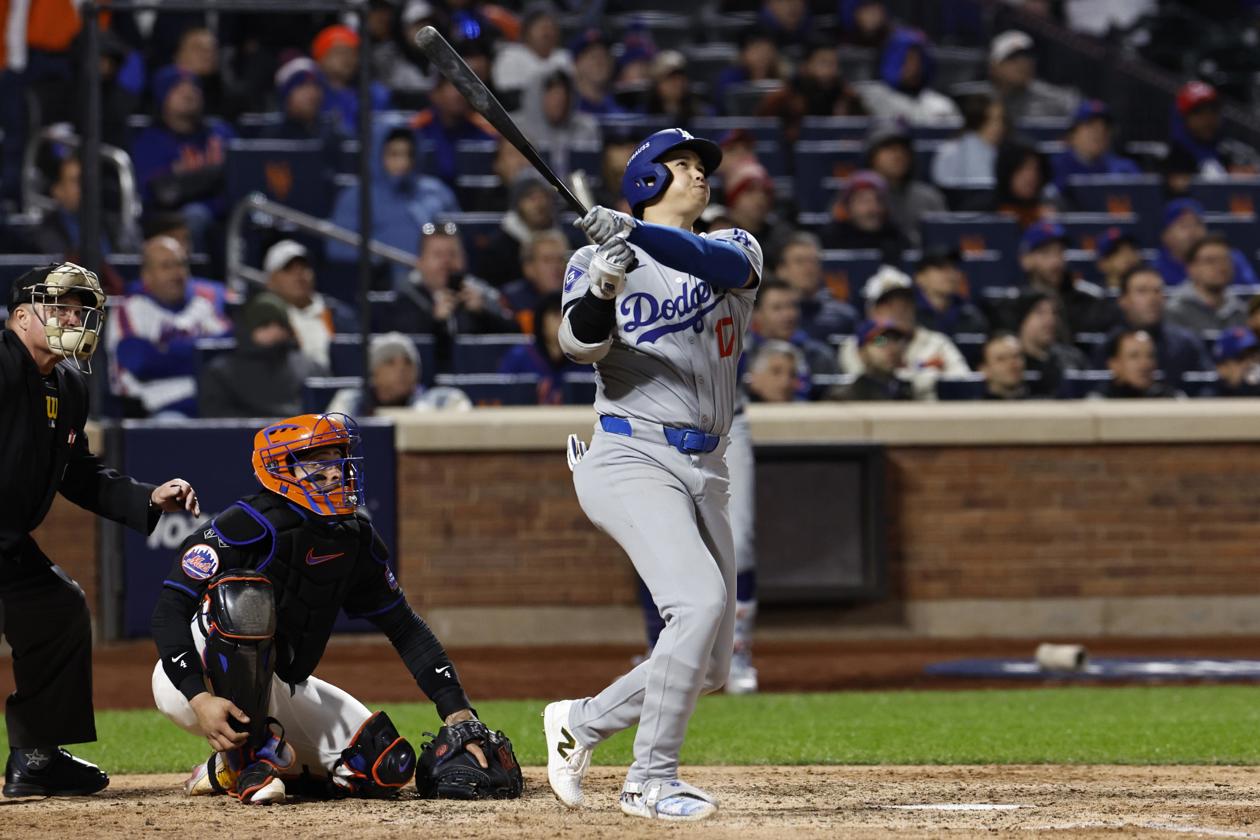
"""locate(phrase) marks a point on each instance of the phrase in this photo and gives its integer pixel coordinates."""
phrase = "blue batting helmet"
(646, 178)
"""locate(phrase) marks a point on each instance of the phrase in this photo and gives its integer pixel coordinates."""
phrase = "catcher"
(243, 620)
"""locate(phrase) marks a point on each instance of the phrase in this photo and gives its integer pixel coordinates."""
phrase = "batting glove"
(608, 268)
(602, 224)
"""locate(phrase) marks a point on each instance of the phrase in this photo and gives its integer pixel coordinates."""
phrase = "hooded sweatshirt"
(890, 98)
(556, 140)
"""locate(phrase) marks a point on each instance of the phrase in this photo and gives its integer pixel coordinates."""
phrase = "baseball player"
(662, 312)
(247, 610)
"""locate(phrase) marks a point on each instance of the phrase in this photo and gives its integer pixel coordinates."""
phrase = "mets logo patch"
(571, 277)
(200, 562)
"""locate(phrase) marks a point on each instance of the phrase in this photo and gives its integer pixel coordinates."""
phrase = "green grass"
(1156, 725)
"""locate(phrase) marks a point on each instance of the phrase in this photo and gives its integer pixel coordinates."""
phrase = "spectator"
(1036, 323)
(800, 266)
(634, 66)
(1131, 360)
(593, 73)
(1253, 315)
(860, 219)
(1204, 304)
(758, 61)
(264, 374)
(58, 229)
(153, 336)
(533, 210)
(939, 302)
(970, 160)
(1013, 74)
(929, 355)
(1116, 253)
(447, 121)
(543, 357)
(543, 260)
(671, 95)
(1196, 146)
(315, 318)
(1183, 229)
(122, 85)
(1088, 148)
(612, 163)
(402, 199)
(1237, 355)
(787, 21)
(394, 371)
(864, 23)
(777, 317)
(300, 92)
(440, 298)
(1002, 363)
(1022, 185)
(396, 61)
(817, 90)
(538, 54)
(771, 376)
(197, 53)
(749, 192)
(903, 91)
(890, 155)
(336, 51)
(179, 159)
(550, 119)
(881, 353)
(1082, 306)
(1142, 306)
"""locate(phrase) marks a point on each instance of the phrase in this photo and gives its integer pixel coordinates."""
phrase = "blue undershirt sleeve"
(719, 262)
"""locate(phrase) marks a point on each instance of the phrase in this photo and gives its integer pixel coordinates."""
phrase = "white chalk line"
(955, 806)
(1172, 828)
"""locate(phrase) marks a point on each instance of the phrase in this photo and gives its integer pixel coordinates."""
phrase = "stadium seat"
(209, 349)
(476, 229)
(742, 98)
(670, 30)
(1138, 196)
(988, 270)
(1078, 384)
(579, 388)
(252, 125)
(491, 389)
(1199, 383)
(318, 391)
(955, 65)
(857, 64)
(1042, 129)
(820, 160)
(475, 157)
(846, 272)
(706, 62)
(968, 199)
(967, 387)
(973, 233)
(1084, 228)
(937, 131)
(834, 128)
(482, 353)
(290, 172)
(971, 345)
(1238, 195)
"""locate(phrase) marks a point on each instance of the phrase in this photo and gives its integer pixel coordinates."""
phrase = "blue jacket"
(1066, 164)
(438, 142)
(158, 151)
(1174, 271)
(343, 104)
(400, 207)
(894, 58)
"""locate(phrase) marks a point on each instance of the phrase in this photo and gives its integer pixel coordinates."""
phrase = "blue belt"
(686, 441)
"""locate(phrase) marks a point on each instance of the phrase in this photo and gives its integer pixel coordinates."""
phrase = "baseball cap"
(888, 280)
(869, 330)
(166, 79)
(1106, 243)
(1233, 342)
(1090, 109)
(1176, 208)
(416, 11)
(939, 257)
(20, 291)
(864, 180)
(667, 62)
(333, 36)
(282, 253)
(1194, 95)
(590, 37)
(1008, 44)
(748, 175)
(390, 345)
(887, 131)
(1042, 233)
(294, 73)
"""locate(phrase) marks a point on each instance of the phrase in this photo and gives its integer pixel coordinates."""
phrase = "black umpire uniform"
(43, 451)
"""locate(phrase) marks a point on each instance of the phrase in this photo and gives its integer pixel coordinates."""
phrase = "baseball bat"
(444, 57)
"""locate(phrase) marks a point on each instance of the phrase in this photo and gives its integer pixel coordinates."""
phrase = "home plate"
(955, 806)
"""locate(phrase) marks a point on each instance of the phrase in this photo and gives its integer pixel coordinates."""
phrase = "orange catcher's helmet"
(282, 465)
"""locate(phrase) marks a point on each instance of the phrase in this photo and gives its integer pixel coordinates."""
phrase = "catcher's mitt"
(447, 769)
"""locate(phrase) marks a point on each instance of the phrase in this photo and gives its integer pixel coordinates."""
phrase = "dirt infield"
(757, 802)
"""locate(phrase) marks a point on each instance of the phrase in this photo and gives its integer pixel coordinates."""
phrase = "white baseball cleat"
(214, 776)
(742, 678)
(667, 800)
(567, 760)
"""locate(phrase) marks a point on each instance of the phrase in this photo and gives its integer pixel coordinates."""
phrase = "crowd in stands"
(932, 229)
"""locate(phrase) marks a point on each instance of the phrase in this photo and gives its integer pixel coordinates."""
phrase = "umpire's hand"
(174, 495)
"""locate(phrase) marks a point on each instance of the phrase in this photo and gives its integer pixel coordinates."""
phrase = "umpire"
(55, 317)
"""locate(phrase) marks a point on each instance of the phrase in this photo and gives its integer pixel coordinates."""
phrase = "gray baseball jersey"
(675, 352)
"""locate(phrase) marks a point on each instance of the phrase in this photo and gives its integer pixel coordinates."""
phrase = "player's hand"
(602, 224)
(213, 717)
(608, 268)
(176, 494)
(473, 747)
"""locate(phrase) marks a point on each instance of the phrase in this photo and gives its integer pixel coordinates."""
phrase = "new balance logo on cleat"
(566, 746)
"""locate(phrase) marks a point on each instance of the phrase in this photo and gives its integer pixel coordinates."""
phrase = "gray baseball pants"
(668, 511)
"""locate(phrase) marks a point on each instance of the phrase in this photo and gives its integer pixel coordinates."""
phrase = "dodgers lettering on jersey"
(676, 347)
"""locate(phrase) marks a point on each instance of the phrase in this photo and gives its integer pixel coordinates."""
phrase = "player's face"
(320, 469)
(688, 192)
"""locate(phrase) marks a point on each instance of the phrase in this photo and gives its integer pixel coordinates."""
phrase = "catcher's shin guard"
(378, 761)
(238, 617)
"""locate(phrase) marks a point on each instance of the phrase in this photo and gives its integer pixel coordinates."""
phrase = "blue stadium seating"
(209, 349)
(1139, 196)
(834, 128)
(846, 272)
(967, 387)
(476, 229)
(1084, 228)
(475, 157)
(742, 98)
(492, 389)
(318, 391)
(1196, 383)
(986, 271)
(1078, 384)
(1238, 195)
(1042, 129)
(290, 172)
(252, 125)
(816, 162)
(482, 353)
(579, 388)
(974, 233)
(972, 347)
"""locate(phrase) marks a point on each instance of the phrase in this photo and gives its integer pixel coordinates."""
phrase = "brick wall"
(492, 529)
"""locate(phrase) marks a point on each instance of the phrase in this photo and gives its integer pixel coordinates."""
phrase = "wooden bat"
(444, 57)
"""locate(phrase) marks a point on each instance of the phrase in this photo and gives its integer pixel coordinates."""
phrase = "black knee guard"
(238, 616)
(378, 761)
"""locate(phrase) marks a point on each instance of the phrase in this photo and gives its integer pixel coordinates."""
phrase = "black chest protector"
(312, 565)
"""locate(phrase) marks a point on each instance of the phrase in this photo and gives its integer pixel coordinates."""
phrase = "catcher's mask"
(281, 464)
(68, 301)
